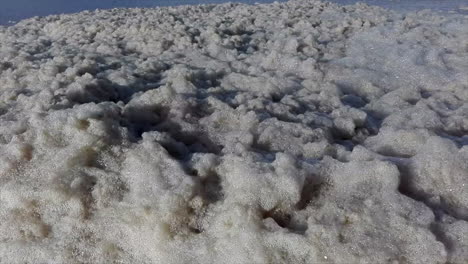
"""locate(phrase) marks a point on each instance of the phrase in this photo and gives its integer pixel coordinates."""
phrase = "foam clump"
(296, 132)
(438, 171)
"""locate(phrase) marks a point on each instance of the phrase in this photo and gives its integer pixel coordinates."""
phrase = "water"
(12, 11)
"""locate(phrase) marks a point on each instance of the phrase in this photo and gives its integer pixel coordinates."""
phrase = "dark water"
(12, 11)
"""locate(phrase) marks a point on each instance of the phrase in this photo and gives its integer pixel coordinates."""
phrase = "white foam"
(297, 132)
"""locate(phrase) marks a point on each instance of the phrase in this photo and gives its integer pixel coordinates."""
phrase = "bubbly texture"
(298, 132)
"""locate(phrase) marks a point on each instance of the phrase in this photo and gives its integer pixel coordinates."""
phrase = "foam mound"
(298, 132)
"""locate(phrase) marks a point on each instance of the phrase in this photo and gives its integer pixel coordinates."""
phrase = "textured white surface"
(302, 132)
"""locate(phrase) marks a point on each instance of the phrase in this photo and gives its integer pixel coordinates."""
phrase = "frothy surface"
(299, 132)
